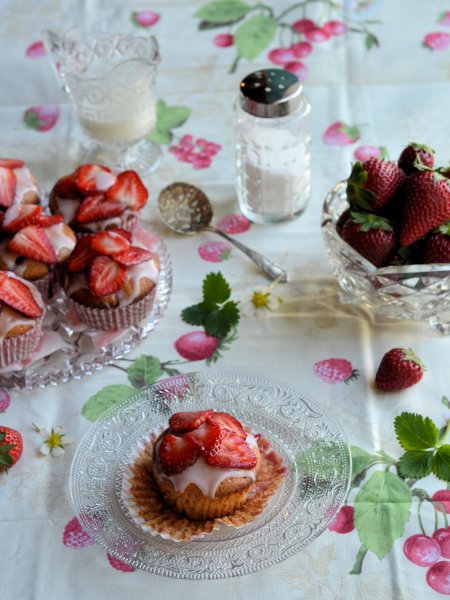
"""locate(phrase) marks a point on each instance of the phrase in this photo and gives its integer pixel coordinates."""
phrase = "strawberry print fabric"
(377, 75)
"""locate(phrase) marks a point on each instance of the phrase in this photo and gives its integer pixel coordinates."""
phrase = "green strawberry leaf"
(170, 117)
(441, 463)
(215, 288)
(371, 41)
(219, 322)
(160, 137)
(208, 25)
(415, 432)
(254, 36)
(144, 371)
(104, 399)
(416, 464)
(382, 508)
(197, 313)
(360, 460)
(223, 12)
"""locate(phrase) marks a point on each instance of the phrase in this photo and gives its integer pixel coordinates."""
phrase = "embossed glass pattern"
(418, 292)
(314, 450)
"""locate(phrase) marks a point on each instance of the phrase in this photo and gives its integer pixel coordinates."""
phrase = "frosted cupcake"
(93, 198)
(17, 184)
(21, 312)
(109, 281)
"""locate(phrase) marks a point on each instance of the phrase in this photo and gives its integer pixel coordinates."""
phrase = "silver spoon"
(184, 208)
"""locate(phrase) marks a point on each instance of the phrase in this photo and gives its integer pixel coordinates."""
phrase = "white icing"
(206, 477)
(59, 238)
(25, 182)
(10, 318)
(68, 208)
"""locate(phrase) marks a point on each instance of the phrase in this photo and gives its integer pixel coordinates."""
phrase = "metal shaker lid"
(270, 93)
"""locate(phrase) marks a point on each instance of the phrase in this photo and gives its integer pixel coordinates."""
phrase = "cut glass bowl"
(417, 292)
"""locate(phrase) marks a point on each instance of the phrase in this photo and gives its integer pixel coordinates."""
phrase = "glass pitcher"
(110, 80)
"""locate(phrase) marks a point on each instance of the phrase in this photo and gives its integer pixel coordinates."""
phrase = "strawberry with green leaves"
(414, 157)
(11, 446)
(425, 204)
(371, 236)
(373, 183)
(399, 369)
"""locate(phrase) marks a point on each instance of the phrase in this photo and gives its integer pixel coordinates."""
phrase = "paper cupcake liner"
(149, 510)
(129, 223)
(20, 347)
(50, 285)
(108, 319)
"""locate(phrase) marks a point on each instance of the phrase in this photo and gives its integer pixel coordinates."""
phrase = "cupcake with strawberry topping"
(110, 281)
(21, 313)
(17, 184)
(35, 245)
(93, 198)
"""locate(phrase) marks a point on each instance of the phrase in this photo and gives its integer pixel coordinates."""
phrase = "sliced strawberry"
(105, 276)
(32, 242)
(19, 216)
(187, 421)
(129, 189)
(81, 255)
(18, 296)
(65, 188)
(123, 232)
(109, 243)
(231, 452)
(96, 208)
(7, 187)
(93, 178)
(11, 163)
(226, 421)
(207, 437)
(48, 220)
(133, 256)
(177, 453)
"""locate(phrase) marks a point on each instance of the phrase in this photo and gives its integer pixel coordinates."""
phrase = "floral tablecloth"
(377, 74)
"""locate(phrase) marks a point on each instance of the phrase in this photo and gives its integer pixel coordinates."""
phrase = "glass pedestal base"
(144, 157)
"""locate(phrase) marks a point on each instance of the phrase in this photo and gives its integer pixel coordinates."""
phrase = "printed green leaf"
(144, 371)
(160, 137)
(169, 117)
(104, 399)
(441, 463)
(382, 507)
(208, 25)
(445, 401)
(223, 11)
(371, 41)
(360, 460)
(415, 432)
(254, 36)
(416, 464)
(215, 288)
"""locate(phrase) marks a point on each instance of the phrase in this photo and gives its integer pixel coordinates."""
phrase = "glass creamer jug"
(110, 79)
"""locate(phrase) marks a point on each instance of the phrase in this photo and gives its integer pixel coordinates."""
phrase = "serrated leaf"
(360, 460)
(215, 288)
(160, 137)
(441, 463)
(223, 11)
(415, 432)
(382, 507)
(104, 399)
(144, 371)
(416, 464)
(197, 313)
(254, 36)
(170, 117)
(220, 321)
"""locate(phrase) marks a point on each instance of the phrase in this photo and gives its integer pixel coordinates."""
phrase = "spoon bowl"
(185, 209)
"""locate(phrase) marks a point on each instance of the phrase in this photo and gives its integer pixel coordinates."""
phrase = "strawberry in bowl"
(386, 230)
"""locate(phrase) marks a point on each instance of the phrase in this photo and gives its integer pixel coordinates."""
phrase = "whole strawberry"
(425, 204)
(436, 247)
(11, 446)
(371, 236)
(373, 183)
(415, 156)
(399, 369)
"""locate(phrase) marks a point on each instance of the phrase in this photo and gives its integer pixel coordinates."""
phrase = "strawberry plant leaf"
(416, 464)
(223, 11)
(371, 41)
(197, 313)
(104, 399)
(145, 370)
(220, 321)
(254, 36)
(360, 460)
(160, 137)
(441, 463)
(382, 508)
(415, 432)
(215, 288)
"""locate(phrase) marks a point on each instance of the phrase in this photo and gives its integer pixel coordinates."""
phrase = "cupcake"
(34, 246)
(205, 464)
(17, 184)
(109, 281)
(21, 312)
(93, 198)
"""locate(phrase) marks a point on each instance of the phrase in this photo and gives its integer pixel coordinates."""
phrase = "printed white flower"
(55, 441)
(260, 301)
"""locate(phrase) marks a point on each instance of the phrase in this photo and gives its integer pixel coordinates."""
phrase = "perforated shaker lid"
(270, 93)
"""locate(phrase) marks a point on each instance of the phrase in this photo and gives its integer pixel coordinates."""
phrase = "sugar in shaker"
(272, 146)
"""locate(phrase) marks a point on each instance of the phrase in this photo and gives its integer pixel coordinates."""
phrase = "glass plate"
(80, 353)
(314, 449)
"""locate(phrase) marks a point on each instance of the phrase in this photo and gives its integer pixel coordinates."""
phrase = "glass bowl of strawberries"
(387, 233)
